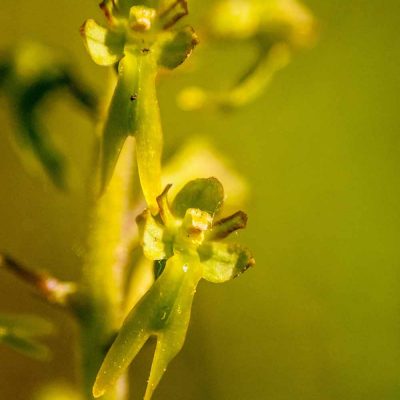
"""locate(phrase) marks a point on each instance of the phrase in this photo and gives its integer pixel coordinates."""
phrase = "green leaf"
(121, 116)
(204, 194)
(164, 311)
(19, 331)
(33, 137)
(155, 245)
(28, 325)
(32, 74)
(177, 47)
(104, 46)
(223, 262)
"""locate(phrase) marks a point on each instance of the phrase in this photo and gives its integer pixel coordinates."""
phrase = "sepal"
(206, 194)
(155, 245)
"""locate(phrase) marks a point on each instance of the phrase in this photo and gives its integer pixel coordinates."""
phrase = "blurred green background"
(318, 318)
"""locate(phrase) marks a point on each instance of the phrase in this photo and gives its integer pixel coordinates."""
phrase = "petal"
(155, 247)
(176, 47)
(222, 262)
(104, 46)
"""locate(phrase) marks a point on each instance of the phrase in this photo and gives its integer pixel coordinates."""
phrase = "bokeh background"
(318, 318)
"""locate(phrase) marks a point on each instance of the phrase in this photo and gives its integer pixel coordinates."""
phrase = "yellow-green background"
(318, 318)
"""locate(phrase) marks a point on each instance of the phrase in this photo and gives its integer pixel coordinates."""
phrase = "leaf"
(164, 311)
(32, 73)
(177, 47)
(104, 46)
(28, 325)
(34, 138)
(204, 194)
(19, 331)
(121, 118)
(24, 345)
(223, 262)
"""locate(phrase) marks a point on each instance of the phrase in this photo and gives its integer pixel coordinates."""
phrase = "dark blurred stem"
(47, 287)
(100, 313)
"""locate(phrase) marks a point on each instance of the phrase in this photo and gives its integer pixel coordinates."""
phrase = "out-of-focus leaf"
(28, 325)
(177, 47)
(58, 391)
(30, 74)
(223, 262)
(204, 194)
(19, 333)
(104, 46)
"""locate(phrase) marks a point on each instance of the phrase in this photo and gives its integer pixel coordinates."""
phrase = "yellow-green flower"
(139, 39)
(184, 241)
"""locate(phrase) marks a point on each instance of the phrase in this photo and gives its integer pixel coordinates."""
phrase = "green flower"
(184, 241)
(141, 39)
(276, 29)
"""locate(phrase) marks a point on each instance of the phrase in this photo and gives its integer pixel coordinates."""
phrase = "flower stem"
(100, 300)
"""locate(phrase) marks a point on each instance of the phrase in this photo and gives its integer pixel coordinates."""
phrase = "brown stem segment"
(47, 287)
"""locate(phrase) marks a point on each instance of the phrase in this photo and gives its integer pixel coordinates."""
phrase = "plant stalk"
(100, 312)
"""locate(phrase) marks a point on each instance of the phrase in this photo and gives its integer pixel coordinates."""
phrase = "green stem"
(102, 282)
